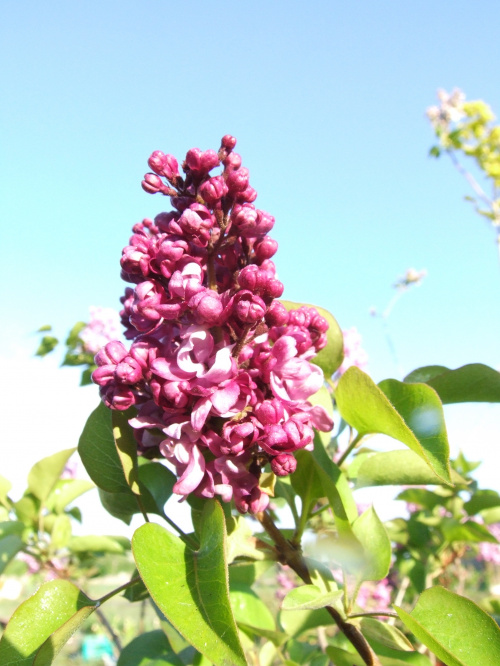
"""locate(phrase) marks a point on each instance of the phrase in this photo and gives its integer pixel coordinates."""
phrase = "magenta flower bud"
(273, 289)
(164, 165)
(249, 307)
(152, 184)
(232, 162)
(207, 307)
(284, 464)
(228, 142)
(277, 314)
(128, 371)
(111, 354)
(247, 196)
(244, 216)
(252, 278)
(209, 160)
(269, 412)
(213, 190)
(195, 222)
(237, 180)
(117, 397)
(199, 162)
(265, 248)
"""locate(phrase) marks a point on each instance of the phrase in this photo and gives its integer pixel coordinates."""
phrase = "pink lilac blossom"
(104, 326)
(218, 371)
(375, 596)
(490, 552)
(354, 354)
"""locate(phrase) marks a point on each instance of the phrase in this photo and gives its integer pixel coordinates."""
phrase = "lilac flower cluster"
(218, 370)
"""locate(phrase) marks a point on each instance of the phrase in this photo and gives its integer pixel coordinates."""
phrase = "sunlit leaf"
(377, 551)
(454, 628)
(126, 446)
(401, 467)
(410, 413)
(310, 597)
(191, 587)
(59, 608)
(470, 383)
(44, 474)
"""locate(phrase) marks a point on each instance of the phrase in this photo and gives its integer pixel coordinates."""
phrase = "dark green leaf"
(470, 383)
(10, 545)
(296, 623)
(191, 587)
(454, 628)
(98, 452)
(149, 649)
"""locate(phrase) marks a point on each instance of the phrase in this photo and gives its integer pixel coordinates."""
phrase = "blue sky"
(327, 102)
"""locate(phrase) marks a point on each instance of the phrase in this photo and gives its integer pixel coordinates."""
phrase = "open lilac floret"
(218, 370)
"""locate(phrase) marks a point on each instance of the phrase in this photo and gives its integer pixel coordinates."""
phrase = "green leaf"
(376, 546)
(98, 452)
(470, 531)
(481, 500)
(454, 628)
(27, 509)
(126, 446)
(137, 591)
(384, 633)
(470, 383)
(250, 609)
(11, 527)
(310, 597)
(244, 572)
(10, 545)
(410, 413)
(306, 480)
(341, 657)
(155, 481)
(44, 474)
(5, 486)
(47, 344)
(95, 544)
(336, 489)
(397, 468)
(296, 623)
(330, 357)
(73, 338)
(86, 376)
(60, 533)
(149, 649)
(191, 587)
(59, 608)
(65, 492)
(55, 643)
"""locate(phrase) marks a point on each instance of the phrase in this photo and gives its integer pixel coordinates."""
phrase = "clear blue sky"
(327, 101)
